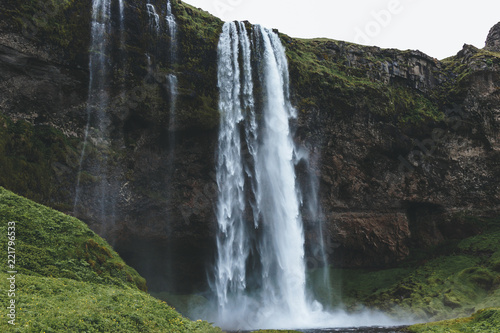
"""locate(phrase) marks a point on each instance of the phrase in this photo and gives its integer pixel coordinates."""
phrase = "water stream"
(273, 292)
(98, 122)
(260, 270)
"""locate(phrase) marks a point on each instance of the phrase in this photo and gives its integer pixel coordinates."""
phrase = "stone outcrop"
(493, 39)
(405, 147)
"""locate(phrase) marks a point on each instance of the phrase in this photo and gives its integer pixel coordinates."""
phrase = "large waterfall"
(260, 273)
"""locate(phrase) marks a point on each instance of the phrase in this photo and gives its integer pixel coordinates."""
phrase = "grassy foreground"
(456, 279)
(70, 280)
(487, 320)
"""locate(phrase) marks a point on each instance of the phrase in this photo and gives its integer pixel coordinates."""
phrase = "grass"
(52, 244)
(487, 320)
(449, 281)
(70, 280)
(47, 304)
(323, 76)
(28, 156)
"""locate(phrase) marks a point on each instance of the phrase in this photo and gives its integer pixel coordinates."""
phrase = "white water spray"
(122, 24)
(260, 270)
(154, 18)
(173, 92)
(98, 97)
(172, 78)
(172, 32)
(231, 240)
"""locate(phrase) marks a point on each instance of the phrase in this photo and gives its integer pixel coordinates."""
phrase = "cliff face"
(405, 147)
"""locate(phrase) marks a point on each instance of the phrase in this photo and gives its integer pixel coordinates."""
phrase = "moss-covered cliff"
(404, 145)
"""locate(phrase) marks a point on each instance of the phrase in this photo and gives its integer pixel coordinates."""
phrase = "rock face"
(406, 148)
(493, 39)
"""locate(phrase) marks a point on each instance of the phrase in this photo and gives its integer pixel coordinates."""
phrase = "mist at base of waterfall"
(251, 315)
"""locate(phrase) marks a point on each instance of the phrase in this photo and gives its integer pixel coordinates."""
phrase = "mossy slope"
(448, 281)
(487, 320)
(70, 280)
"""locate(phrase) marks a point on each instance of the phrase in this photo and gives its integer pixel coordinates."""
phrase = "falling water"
(101, 198)
(231, 241)
(260, 270)
(98, 97)
(172, 32)
(282, 246)
(172, 78)
(276, 207)
(172, 88)
(154, 18)
(122, 24)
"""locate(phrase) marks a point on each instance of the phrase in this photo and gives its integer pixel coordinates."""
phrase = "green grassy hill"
(458, 278)
(70, 280)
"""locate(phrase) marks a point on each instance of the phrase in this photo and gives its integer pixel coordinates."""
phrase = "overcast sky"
(438, 28)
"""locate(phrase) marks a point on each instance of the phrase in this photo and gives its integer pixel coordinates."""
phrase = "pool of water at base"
(372, 329)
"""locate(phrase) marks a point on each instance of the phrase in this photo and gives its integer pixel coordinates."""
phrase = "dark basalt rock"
(493, 39)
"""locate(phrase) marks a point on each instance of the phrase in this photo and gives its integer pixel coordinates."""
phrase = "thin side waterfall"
(318, 260)
(122, 24)
(97, 97)
(172, 78)
(172, 87)
(154, 18)
(97, 200)
(172, 32)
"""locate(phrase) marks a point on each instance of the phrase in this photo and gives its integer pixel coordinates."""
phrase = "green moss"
(461, 69)
(323, 77)
(487, 320)
(46, 304)
(198, 37)
(446, 282)
(36, 161)
(70, 280)
(60, 23)
(57, 245)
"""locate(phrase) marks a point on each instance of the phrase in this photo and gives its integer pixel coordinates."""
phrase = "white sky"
(438, 28)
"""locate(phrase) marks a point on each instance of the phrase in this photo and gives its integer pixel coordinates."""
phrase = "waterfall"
(122, 24)
(171, 78)
(97, 97)
(154, 18)
(101, 197)
(264, 181)
(282, 247)
(172, 89)
(231, 241)
(172, 32)
(260, 268)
